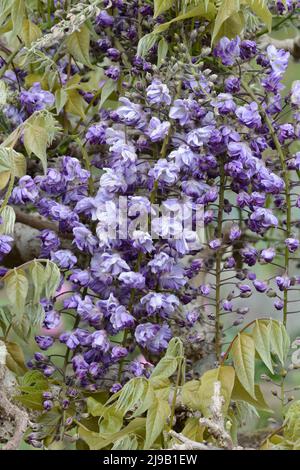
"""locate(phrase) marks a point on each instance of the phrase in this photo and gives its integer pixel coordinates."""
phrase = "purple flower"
(283, 282)
(113, 72)
(116, 388)
(235, 232)
(232, 84)
(295, 93)
(130, 113)
(268, 254)
(158, 93)
(164, 171)
(262, 219)
(84, 239)
(5, 244)
(142, 241)
(96, 134)
(215, 244)
(248, 49)
(279, 304)
(64, 259)
(100, 340)
(153, 337)
(199, 137)
(121, 319)
(157, 130)
(160, 263)
(132, 280)
(36, 99)
(118, 352)
(278, 59)
(249, 115)
(227, 306)
(192, 317)
(137, 368)
(161, 304)
(260, 286)
(224, 103)
(25, 192)
(104, 20)
(113, 53)
(180, 111)
(44, 342)
(50, 242)
(205, 289)
(292, 244)
(228, 50)
(69, 339)
(110, 264)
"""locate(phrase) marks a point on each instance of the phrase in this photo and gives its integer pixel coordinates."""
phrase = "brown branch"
(39, 222)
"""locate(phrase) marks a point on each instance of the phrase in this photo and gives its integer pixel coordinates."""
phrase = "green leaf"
(157, 416)
(148, 399)
(34, 379)
(75, 103)
(52, 279)
(165, 368)
(223, 374)
(198, 11)
(190, 394)
(131, 394)
(16, 286)
(9, 217)
(260, 8)
(262, 340)
(12, 162)
(95, 408)
(226, 9)
(292, 422)
(108, 88)
(6, 6)
(15, 360)
(145, 43)
(243, 353)
(78, 45)
(61, 97)
(193, 430)
(17, 16)
(160, 6)
(280, 341)
(232, 27)
(162, 51)
(33, 400)
(36, 139)
(126, 443)
(37, 273)
(97, 441)
(239, 393)
(30, 32)
(175, 348)
(112, 422)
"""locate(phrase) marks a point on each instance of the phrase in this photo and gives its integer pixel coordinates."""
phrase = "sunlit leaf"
(280, 340)
(262, 340)
(16, 286)
(160, 6)
(78, 44)
(30, 32)
(243, 354)
(156, 421)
